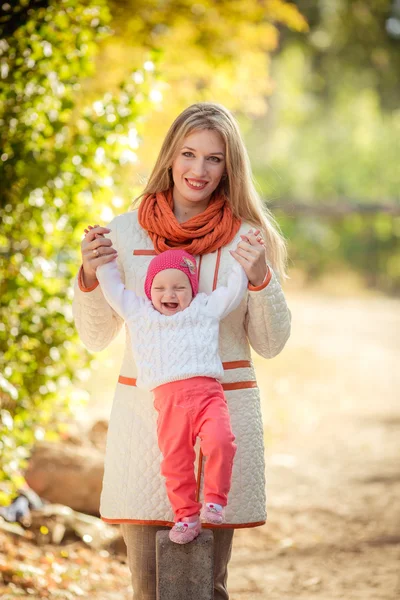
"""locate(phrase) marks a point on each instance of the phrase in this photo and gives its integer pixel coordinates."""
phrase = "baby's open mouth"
(171, 305)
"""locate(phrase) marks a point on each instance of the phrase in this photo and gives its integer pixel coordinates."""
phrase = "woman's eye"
(215, 159)
(187, 154)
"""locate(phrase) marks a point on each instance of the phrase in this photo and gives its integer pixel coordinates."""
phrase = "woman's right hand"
(96, 250)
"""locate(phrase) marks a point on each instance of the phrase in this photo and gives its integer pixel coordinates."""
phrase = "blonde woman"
(199, 197)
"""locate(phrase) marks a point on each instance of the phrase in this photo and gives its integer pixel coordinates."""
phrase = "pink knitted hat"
(172, 259)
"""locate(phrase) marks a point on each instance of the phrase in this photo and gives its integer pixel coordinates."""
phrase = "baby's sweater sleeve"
(225, 299)
(122, 300)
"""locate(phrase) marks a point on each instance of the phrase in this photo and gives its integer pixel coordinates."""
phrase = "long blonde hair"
(237, 185)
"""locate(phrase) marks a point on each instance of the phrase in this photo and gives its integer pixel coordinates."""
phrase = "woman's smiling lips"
(196, 184)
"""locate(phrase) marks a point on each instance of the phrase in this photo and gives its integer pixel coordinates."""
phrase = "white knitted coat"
(133, 487)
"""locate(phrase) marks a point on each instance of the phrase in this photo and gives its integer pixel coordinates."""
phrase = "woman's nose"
(199, 168)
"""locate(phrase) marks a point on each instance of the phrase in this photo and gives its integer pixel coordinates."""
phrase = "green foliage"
(332, 135)
(208, 50)
(366, 244)
(351, 45)
(57, 168)
(318, 150)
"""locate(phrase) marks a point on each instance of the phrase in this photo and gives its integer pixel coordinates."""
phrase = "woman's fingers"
(101, 258)
(246, 253)
(90, 242)
(239, 258)
(247, 247)
(99, 240)
(98, 250)
(92, 231)
(104, 258)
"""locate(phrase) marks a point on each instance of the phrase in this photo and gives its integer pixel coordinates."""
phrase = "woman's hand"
(96, 250)
(250, 253)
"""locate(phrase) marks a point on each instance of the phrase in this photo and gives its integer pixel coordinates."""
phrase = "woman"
(199, 197)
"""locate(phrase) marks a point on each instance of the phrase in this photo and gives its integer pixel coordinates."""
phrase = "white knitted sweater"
(179, 346)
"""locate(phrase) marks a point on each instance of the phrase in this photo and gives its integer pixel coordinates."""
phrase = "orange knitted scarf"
(212, 229)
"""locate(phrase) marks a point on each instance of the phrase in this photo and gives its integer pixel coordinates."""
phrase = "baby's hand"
(254, 235)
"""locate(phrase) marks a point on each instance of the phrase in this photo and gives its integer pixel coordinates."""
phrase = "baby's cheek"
(185, 300)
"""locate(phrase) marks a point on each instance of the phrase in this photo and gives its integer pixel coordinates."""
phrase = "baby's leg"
(176, 442)
(217, 444)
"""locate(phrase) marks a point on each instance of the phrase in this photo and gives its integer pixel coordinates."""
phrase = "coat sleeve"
(96, 322)
(268, 319)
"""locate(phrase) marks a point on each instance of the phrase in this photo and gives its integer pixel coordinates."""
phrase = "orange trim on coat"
(144, 253)
(264, 284)
(239, 385)
(82, 286)
(216, 269)
(127, 380)
(171, 523)
(236, 364)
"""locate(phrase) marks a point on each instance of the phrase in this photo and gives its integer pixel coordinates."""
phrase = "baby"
(174, 332)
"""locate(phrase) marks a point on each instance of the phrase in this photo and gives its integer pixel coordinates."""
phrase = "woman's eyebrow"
(193, 150)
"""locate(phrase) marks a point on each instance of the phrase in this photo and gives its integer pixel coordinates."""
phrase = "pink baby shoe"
(212, 513)
(181, 533)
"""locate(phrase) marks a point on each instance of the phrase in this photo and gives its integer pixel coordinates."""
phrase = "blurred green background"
(88, 91)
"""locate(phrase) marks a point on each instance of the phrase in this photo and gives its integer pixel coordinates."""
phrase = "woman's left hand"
(250, 253)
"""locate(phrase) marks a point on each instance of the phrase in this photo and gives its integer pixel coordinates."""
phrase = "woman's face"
(171, 291)
(198, 168)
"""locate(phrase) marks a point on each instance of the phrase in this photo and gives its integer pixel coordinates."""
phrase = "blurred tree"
(350, 44)
(333, 133)
(57, 170)
(70, 131)
(208, 49)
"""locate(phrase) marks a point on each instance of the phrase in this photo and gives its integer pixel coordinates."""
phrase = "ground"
(333, 470)
(332, 431)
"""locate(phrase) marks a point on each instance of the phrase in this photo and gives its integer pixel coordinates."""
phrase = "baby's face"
(171, 291)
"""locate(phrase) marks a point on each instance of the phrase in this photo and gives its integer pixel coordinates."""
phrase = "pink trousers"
(188, 409)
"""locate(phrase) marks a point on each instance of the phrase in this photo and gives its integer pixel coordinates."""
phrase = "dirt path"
(332, 404)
